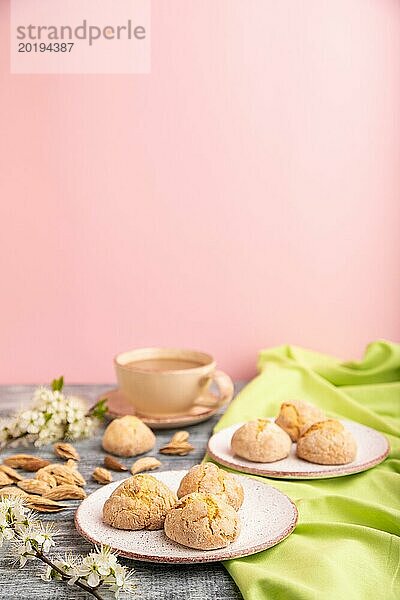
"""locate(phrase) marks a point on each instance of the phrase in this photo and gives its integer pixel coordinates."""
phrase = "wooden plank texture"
(154, 581)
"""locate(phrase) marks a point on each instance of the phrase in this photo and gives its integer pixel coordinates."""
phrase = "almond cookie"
(128, 436)
(296, 416)
(327, 443)
(202, 521)
(210, 479)
(140, 502)
(261, 441)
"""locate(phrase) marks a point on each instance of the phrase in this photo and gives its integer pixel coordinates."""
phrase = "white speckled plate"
(372, 449)
(267, 517)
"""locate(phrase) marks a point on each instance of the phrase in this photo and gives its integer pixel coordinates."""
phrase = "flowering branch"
(52, 417)
(33, 540)
(53, 567)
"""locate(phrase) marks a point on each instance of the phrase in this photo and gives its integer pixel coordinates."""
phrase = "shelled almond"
(41, 504)
(5, 479)
(26, 462)
(48, 478)
(71, 464)
(148, 463)
(12, 490)
(66, 492)
(64, 474)
(178, 444)
(66, 451)
(12, 473)
(34, 486)
(110, 462)
(102, 475)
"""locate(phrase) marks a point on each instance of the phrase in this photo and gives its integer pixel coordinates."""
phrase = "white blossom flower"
(6, 534)
(102, 568)
(6, 530)
(31, 421)
(77, 430)
(53, 416)
(42, 396)
(14, 513)
(106, 560)
(75, 408)
(65, 564)
(33, 539)
(44, 538)
(24, 419)
(10, 428)
(88, 570)
(14, 518)
(120, 581)
(50, 433)
(58, 411)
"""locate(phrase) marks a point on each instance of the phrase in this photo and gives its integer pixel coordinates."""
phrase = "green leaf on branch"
(100, 409)
(57, 384)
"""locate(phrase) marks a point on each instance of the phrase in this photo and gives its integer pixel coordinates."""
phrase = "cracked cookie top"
(140, 502)
(208, 478)
(261, 441)
(202, 521)
(296, 416)
(327, 443)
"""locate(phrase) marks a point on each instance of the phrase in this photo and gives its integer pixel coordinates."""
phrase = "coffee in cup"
(161, 382)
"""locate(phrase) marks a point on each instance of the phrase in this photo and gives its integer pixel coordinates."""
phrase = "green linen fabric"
(346, 544)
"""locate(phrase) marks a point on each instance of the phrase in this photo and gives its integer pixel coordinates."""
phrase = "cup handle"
(225, 387)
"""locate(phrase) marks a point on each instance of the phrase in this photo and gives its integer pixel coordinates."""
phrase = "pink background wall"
(245, 194)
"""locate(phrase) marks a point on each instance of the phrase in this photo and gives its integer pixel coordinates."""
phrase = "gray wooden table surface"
(154, 581)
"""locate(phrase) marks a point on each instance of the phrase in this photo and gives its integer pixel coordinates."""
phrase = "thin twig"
(79, 583)
(18, 437)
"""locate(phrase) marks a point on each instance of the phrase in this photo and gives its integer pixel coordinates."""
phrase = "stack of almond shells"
(51, 483)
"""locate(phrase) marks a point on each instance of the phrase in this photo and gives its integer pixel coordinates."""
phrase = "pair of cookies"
(204, 517)
(319, 440)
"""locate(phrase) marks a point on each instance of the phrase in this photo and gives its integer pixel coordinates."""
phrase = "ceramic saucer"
(267, 517)
(372, 449)
(119, 406)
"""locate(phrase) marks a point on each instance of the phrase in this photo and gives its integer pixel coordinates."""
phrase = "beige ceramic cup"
(169, 392)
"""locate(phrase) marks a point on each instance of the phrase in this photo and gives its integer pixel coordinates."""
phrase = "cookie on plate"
(296, 416)
(207, 478)
(327, 443)
(202, 521)
(261, 441)
(140, 502)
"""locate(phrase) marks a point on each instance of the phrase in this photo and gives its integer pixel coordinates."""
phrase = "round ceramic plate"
(372, 448)
(267, 517)
(119, 406)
